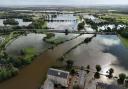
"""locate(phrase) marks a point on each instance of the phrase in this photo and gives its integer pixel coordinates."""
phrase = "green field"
(121, 18)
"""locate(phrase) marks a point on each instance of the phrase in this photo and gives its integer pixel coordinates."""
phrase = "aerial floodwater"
(87, 38)
(103, 49)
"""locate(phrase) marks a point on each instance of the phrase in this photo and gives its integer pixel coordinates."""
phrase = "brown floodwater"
(30, 77)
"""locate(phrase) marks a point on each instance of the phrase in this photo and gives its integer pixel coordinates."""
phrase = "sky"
(63, 2)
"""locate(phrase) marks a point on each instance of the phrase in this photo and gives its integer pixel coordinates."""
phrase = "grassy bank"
(55, 41)
(124, 41)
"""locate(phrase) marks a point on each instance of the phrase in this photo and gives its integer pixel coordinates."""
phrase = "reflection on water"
(104, 50)
(31, 40)
(69, 22)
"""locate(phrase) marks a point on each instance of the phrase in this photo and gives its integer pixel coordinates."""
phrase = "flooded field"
(32, 40)
(106, 50)
(69, 22)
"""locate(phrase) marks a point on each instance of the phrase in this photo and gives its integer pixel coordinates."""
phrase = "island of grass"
(29, 54)
(50, 38)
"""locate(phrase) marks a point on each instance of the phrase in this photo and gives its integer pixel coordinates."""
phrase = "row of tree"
(10, 22)
(120, 79)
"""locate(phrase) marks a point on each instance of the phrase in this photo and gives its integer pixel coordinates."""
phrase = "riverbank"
(124, 41)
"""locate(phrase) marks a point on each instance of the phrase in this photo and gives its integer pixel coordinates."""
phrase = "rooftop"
(58, 73)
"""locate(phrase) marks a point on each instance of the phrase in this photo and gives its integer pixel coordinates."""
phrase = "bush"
(7, 72)
(49, 35)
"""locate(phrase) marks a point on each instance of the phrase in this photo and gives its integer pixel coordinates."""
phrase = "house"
(100, 85)
(58, 76)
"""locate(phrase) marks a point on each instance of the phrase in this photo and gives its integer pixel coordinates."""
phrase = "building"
(58, 76)
(107, 86)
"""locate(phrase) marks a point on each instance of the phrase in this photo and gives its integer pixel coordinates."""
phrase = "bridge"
(70, 32)
(60, 31)
(81, 32)
(53, 20)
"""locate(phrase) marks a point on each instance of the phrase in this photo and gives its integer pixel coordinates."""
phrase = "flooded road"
(30, 77)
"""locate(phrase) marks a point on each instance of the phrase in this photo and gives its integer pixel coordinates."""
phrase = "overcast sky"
(63, 2)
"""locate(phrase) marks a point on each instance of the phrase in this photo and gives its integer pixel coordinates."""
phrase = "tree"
(97, 75)
(49, 35)
(81, 26)
(72, 72)
(98, 68)
(69, 64)
(109, 29)
(37, 24)
(121, 79)
(110, 71)
(88, 68)
(10, 22)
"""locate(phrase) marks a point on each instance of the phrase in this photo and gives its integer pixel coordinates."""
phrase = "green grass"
(54, 40)
(118, 17)
(29, 53)
(124, 41)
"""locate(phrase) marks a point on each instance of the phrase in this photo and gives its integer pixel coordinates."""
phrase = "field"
(121, 18)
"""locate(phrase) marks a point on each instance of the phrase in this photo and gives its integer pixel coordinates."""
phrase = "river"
(30, 77)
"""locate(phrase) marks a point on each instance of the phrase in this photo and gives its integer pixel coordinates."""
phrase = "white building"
(58, 76)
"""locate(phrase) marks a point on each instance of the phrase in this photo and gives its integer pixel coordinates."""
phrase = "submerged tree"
(110, 72)
(121, 79)
(98, 68)
(69, 64)
(88, 68)
(97, 75)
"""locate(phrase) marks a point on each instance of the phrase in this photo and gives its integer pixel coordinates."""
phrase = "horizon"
(63, 2)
